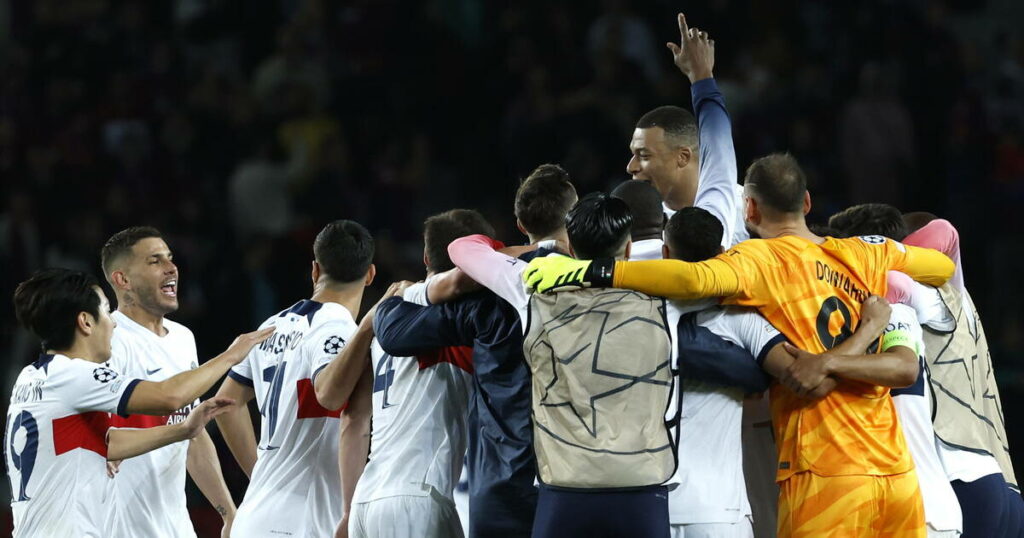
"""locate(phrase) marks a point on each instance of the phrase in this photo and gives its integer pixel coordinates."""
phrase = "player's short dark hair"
(443, 228)
(645, 204)
(777, 182)
(915, 220)
(693, 234)
(598, 226)
(48, 304)
(344, 250)
(870, 219)
(824, 230)
(678, 123)
(543, 199)
(121, 243)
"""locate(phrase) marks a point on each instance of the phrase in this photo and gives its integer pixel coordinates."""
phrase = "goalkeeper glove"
(561, 273)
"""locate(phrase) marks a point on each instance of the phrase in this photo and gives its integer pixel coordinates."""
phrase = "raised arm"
(500, 273)
(167, 396)
(716, 190)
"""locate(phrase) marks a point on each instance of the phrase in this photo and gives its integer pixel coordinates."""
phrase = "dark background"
(240, 127)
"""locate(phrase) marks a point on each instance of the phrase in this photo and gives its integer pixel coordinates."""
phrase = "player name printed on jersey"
(55, 446)
(296, 470)
(149, 490)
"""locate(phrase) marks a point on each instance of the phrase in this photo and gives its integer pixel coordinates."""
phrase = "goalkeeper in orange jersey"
(844, 468)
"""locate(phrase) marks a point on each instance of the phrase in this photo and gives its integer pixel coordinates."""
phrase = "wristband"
(600, 273)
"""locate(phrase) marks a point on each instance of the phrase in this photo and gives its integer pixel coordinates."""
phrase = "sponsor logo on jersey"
(180, 415)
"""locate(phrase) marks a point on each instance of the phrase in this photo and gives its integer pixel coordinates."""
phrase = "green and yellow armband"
(897, 338)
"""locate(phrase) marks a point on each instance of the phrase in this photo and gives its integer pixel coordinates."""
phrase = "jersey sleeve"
(716, 187)
(676, 279)
(326, 343)
(747, 329)
(706, 355)
(922, 264)
(94, 387)
(404, 329)
(495, 271)
(242, 372)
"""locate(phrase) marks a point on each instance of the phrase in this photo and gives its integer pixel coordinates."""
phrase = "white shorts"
(742, 529)
(405, 516)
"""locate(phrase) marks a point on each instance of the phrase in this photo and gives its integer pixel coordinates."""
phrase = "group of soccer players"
(603, 380)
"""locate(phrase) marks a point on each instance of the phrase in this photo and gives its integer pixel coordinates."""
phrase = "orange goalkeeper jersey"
(812, 294)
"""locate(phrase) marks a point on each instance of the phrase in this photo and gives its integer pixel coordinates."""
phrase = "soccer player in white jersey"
(419, 409)
(149, 491)
(58, 423)
(300, 383)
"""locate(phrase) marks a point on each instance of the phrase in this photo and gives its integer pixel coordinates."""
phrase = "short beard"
(150, 304)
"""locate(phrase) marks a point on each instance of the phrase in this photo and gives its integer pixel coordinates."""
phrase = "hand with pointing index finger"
(695, 53)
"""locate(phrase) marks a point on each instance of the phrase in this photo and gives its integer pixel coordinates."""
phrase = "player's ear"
(629, 249)
(750, 212)
(370, 274)
(426, 260)
(665, 252)
(119, 280)
(807, 202)
(522, 230)
(315, 272)
(85, 323)
(683, 156)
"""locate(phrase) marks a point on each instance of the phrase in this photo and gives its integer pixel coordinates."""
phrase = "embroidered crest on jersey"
(333, 344)
(872, 239)
(104, 374)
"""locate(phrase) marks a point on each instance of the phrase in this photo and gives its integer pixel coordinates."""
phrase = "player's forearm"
(500, 273)
(334, 384)
(450, 285)
(236, 429)
(203, 466)
(124, 443)
(895, 368)
(354, 445)
(166, 397)
(675, 279)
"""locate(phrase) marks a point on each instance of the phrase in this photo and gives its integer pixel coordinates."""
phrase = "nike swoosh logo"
(151, 372)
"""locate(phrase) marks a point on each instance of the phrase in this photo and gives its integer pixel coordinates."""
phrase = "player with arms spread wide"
(811, 289)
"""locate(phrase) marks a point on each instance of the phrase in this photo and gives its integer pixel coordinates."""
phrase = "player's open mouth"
(170, 288)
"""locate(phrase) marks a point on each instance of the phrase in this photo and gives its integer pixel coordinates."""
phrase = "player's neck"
(349, 297)
(788, 227)
(78, 350)
(561, 236)
(150, 321)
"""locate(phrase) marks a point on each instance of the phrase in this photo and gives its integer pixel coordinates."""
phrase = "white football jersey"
(419, 423)
(149, 490)
(55, 446)
(710, 473)
(296, 487)
(913, 405)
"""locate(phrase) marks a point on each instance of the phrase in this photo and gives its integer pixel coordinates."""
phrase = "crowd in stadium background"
(240, 128)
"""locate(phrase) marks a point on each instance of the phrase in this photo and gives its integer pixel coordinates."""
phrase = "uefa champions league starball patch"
(333, 344)
(104, 375)
(872, 239)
